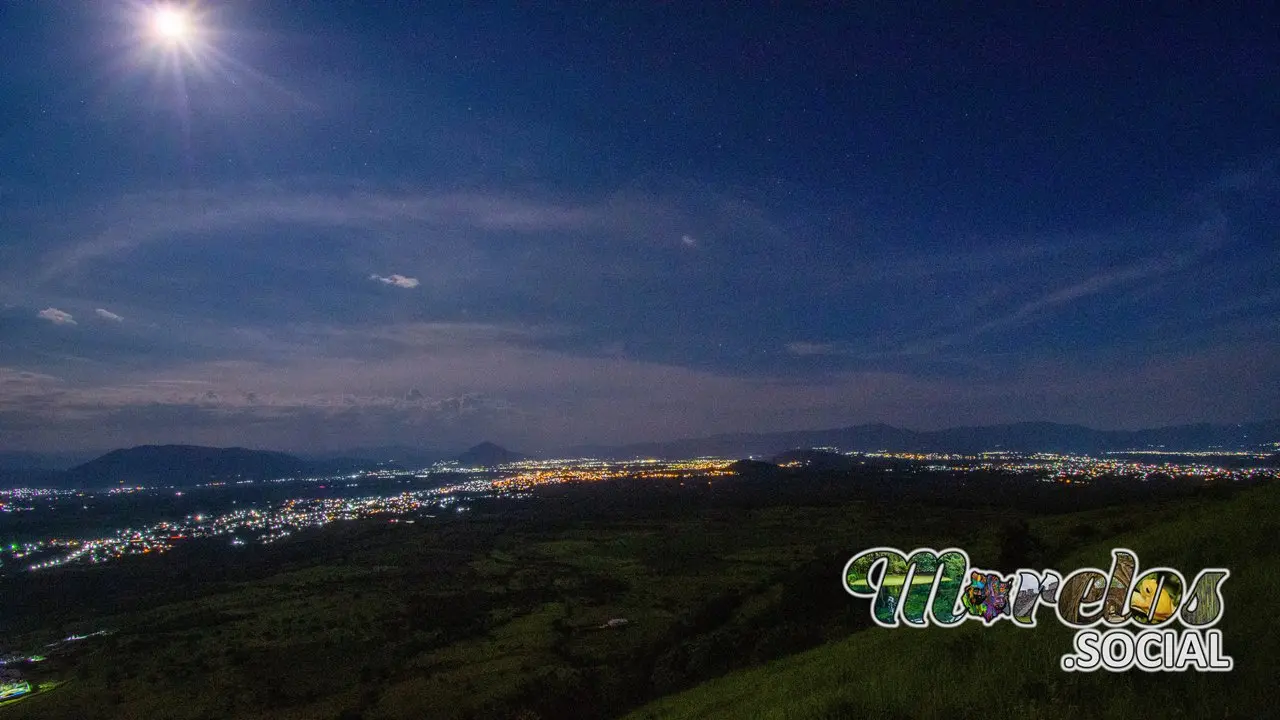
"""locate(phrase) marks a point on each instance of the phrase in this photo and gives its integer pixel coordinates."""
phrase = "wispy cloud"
(56, 316)
(1088, 287)
(807, 349)
(122, 224)
(399, 281)
(1202, 242)
(632, 315)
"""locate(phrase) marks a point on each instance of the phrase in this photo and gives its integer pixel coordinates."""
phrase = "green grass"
(458, 621)
(492, 617)
(1006, 671)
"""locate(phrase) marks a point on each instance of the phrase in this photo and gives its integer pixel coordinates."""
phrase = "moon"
(170, 24)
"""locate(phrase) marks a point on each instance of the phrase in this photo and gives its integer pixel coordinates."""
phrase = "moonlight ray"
(172, 43)
(179, 62)
(183, 46)
(170, 24)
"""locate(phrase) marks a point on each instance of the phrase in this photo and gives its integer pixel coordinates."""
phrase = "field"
(733, 606)
(1010, 672)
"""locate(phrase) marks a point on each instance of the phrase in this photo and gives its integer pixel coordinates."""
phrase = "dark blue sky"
(324, 225)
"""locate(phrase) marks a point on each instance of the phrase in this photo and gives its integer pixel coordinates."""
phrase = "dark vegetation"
(1004, 671)
(503, 611)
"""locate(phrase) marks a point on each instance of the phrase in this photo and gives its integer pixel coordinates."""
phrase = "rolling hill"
(1004, 671)
(487, 454)
(183, 465)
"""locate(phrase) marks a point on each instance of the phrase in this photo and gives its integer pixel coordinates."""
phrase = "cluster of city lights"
(530, 474)
(274, 522)
(1068, 468)
(24, 499)
(1194, 453)
(246, 525)
(278, 521)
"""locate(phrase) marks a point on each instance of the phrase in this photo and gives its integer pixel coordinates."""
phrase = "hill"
(487, 454)
(183, 465)
(1014, 672)
(498, 612)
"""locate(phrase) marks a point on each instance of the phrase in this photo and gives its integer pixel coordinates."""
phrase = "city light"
(271, 522)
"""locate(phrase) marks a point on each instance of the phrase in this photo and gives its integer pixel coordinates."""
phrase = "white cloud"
(810, 348)
(399, 281)
(56, 316)
(689, 240)
(108, 315)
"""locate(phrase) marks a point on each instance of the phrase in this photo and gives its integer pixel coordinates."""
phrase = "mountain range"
(190, 465)
(186, 465)
(1015, 437)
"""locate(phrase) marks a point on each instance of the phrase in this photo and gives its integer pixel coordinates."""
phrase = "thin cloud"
(56, 316)
(128, 222)
(108, 315)
(1032, 310)
(805, 349)
(399, 281)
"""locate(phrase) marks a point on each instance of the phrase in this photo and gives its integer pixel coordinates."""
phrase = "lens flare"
(170, 24)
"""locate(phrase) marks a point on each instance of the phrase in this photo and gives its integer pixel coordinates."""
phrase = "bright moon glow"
(170, 24)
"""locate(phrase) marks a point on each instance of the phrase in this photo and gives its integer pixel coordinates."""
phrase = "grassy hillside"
(494, 616)
(1010, 672)
(498, 614)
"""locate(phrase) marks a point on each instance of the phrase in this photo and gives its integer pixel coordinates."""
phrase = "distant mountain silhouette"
(183, 465)
(1016, 437)
(486, 454)
(190, 465)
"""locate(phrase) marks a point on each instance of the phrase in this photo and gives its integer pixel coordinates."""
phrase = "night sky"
(321, 225)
